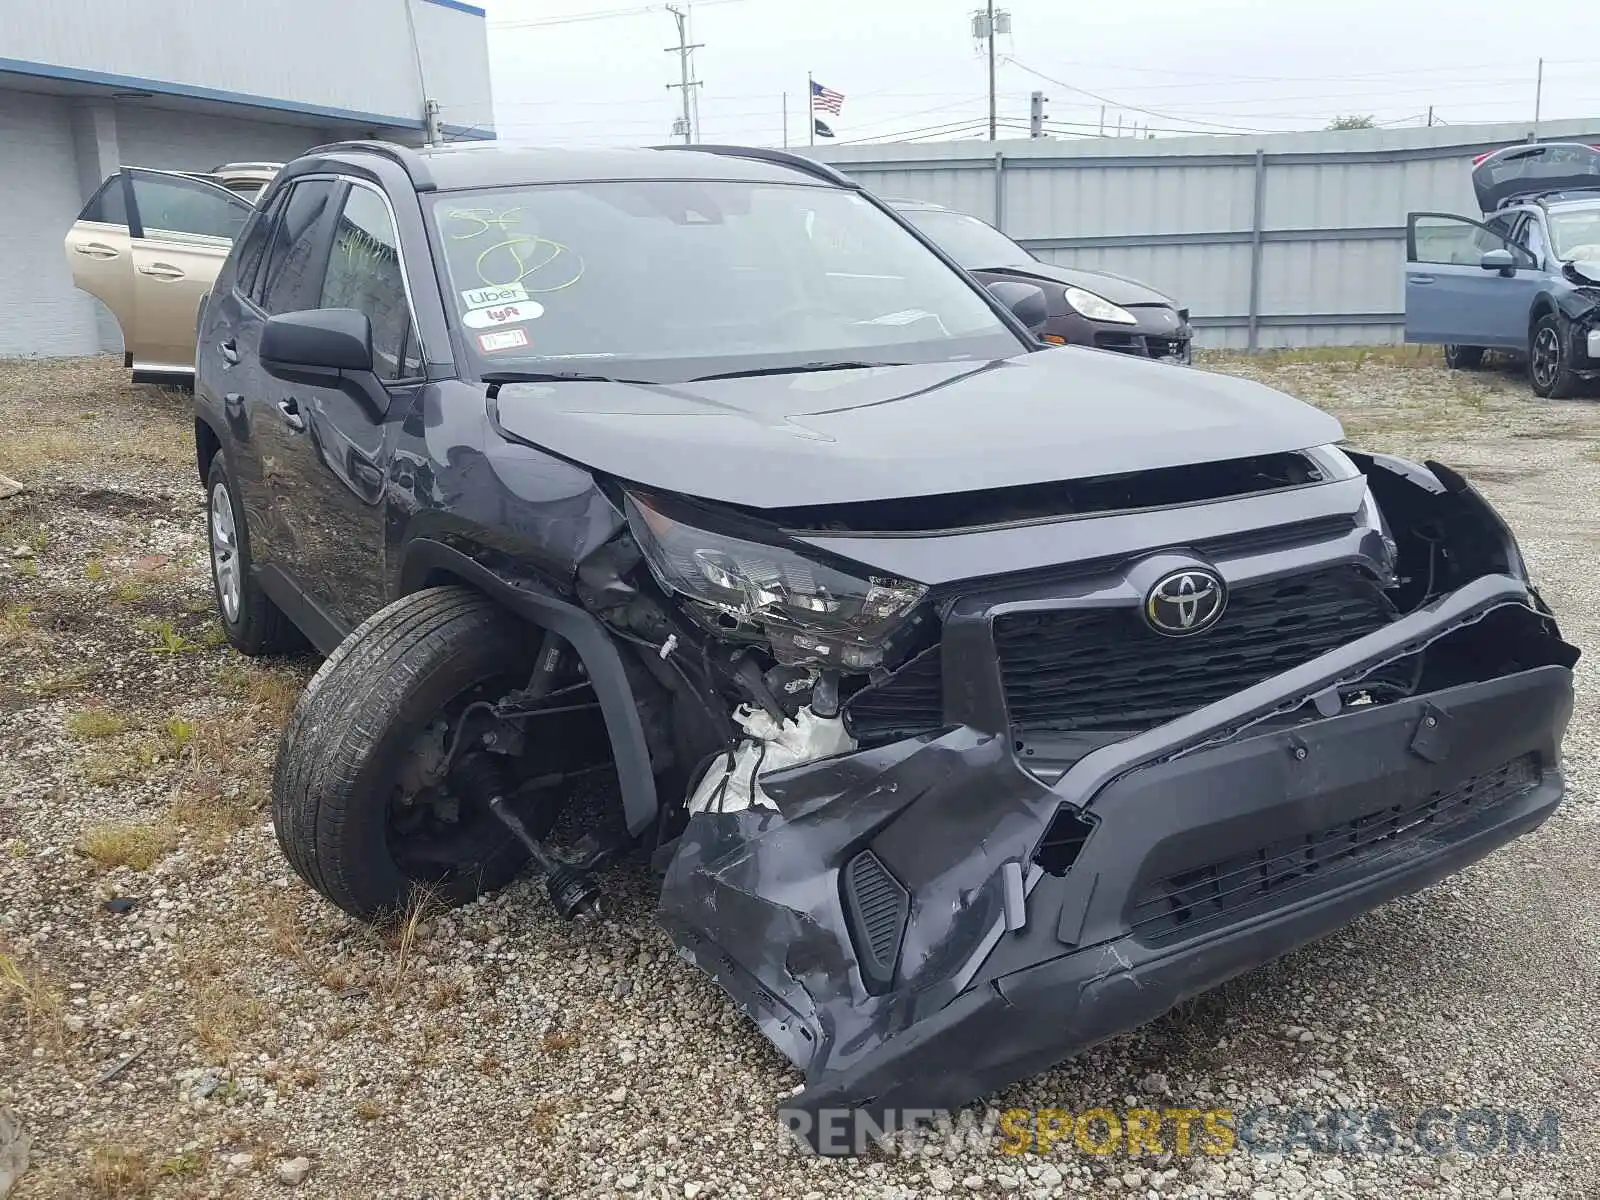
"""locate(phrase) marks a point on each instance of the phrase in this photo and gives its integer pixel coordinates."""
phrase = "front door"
(336, 444)
(1451, 297)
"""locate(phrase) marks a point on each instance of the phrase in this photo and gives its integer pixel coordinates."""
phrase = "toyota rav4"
(975, 699)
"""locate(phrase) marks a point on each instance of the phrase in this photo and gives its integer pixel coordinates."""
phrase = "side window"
(248, 256)
(364, 274)
(1447, 240)
(1533, 238)
(170, 207)
(109, 205)
(291, 277)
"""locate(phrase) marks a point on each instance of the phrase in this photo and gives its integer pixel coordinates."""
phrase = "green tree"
(1352, 122)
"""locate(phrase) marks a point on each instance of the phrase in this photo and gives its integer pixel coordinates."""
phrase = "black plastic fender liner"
(588, 637)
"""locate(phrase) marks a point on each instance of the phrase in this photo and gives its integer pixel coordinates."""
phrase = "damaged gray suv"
(975, 700)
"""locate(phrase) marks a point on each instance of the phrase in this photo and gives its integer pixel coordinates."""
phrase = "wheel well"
(1542, 308)
(206, 445)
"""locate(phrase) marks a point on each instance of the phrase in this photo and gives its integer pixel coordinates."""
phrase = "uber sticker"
(506, 339)
(504, 314)
(482, 297)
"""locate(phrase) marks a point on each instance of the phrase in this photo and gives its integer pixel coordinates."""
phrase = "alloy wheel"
(225, 552)
(1545, 361)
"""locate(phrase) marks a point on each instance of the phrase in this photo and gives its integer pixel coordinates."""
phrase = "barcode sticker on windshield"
(505, 339)
(482, 297)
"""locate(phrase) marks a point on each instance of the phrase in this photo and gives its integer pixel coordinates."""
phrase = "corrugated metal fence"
(1281, 240)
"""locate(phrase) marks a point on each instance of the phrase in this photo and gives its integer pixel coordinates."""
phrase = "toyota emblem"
(1185, 602)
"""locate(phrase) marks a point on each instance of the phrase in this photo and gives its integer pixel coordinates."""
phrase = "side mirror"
(1499, 260)
(318, 345)
(1026, 302)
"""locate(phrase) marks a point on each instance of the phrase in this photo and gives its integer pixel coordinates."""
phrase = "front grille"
(1105, 669)
(1209, 896)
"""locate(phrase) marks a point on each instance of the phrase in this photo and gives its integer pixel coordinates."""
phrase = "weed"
(28, 568)
(108, 770)
(35, 996)
(117, 1172)
(444, 994)
(186, 1164)
(368, 1109)
(168, 639)
(130, 591)
(94, 570)
(558, 1041)
(223, 1016)
(17, 628)
(126, 845)
(96, 723)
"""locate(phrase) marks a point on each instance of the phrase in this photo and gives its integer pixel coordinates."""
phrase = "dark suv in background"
(975, 700)
(1087, 308)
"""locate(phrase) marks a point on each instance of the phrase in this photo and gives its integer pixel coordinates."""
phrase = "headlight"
(808, 611)
(1098, 308)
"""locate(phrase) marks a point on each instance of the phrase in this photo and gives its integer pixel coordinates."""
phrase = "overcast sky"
(595, 71)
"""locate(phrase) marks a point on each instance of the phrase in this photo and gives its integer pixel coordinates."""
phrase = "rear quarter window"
(109, 205)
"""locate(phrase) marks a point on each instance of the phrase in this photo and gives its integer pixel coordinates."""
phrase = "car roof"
(487, 164)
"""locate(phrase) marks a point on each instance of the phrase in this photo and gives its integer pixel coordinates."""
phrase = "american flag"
(826, 99)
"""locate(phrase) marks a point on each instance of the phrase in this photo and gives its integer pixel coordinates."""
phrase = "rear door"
(99, 253)
(180, 231)
(1450, 296)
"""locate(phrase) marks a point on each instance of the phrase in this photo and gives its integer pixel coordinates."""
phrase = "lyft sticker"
(482, 297)
(504, 314)
(505, 339)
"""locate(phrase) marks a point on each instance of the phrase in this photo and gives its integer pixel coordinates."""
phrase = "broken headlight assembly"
(806, 611)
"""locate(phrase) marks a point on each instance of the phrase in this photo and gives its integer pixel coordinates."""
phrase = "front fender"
(426, 562)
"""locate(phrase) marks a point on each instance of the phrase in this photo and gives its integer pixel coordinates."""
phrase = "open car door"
(1466, 283)
(149, 244)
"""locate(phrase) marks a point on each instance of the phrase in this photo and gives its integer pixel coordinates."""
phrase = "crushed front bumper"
(924, 922)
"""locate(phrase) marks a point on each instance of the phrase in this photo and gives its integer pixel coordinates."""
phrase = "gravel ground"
(181, 1017)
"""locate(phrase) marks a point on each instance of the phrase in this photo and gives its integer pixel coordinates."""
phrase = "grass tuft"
(117, 1172)
(127, 845)
(96, 723)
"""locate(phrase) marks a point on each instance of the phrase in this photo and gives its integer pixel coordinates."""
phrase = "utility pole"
(682, 50)
(430, 120)
(1430, 116)
(986, 23)
(1102, 132)
(992, 120)
(1538, 99)
(1036, 114)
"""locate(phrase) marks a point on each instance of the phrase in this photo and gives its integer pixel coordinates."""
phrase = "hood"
(884, 433)
(1118, 289)
(1582, 271)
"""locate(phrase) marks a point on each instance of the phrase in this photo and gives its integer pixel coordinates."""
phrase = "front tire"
(339, 801)
(1463, 358)
(254, 625)
(1550, 359)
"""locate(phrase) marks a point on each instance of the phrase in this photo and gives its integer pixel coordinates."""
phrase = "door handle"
(1422, 279)
(162, 271)
(230, 351)
(96, 250)
(290, 408)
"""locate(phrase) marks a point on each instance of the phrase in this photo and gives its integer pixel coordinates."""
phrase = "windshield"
(973, 244)
(1576, 235)
(673, 280)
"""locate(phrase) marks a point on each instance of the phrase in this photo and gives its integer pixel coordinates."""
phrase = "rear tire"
(1550, 359)
(254, 625)
(1463, 358)
(337, 803)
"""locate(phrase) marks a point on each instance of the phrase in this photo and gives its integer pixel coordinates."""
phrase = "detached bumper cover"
(892, 931)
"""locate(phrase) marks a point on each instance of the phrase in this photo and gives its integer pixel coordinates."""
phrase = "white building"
(87, 86)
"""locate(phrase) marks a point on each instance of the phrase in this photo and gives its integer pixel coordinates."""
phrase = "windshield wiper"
(797, 369)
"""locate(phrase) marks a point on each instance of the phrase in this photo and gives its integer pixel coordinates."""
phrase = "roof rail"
(782, 158)
(408, 159)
